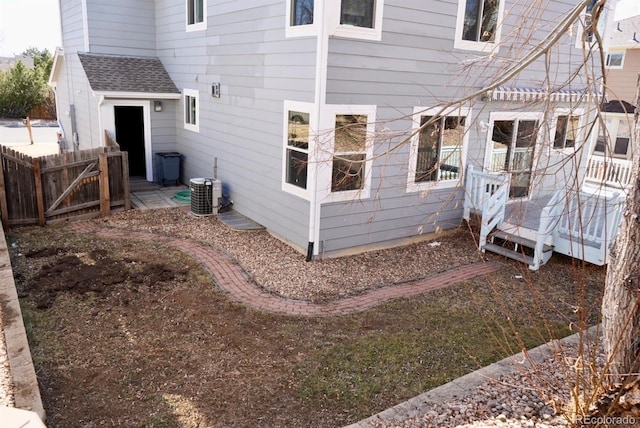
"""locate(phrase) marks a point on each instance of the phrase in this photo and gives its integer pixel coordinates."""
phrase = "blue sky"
(28, 23)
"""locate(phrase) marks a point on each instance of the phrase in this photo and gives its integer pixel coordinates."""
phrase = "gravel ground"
(281, 270)
(521, 399)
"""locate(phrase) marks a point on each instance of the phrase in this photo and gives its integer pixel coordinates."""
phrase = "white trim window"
(350, 151)
(566, 130)
(438, 147)
(479, 24)
(190, 98)
(301, 18)
(196, 15)
(614, 139)
(297, 141)
(615, 60)
(359, 19)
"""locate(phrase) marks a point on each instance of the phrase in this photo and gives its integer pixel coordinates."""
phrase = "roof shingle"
(112, 73)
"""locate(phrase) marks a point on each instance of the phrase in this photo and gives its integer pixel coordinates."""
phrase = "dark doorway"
(130, 135)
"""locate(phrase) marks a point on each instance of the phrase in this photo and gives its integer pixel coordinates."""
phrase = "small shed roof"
(114, 73)
(618, 106)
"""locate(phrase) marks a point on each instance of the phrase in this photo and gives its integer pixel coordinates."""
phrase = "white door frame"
(109, 123)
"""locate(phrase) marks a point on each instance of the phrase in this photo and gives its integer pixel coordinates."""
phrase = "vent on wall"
(205, 196)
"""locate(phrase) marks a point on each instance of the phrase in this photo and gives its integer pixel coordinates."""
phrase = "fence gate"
(72, 185)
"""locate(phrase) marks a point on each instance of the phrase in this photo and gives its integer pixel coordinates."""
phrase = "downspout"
(322, 47)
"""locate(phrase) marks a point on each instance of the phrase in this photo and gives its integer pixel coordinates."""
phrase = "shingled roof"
(112, 73)
(618, 106)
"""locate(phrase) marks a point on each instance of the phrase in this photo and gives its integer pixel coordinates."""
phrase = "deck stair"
(517, 247)
(578, 223)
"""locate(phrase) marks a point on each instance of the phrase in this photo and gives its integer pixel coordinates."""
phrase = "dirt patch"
(94, 272)
(136, 335)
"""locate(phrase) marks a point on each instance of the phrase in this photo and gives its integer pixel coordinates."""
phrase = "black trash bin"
(169, 167)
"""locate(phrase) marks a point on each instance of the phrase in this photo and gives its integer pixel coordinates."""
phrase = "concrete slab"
(237, 221)
(26, 391)
(19, 418)
(159, 198)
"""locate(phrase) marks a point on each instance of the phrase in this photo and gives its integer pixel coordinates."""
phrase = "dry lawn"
(129, 335)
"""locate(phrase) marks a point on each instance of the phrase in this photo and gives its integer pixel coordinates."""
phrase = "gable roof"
(58, 60)
(625, 34)
(128, 74)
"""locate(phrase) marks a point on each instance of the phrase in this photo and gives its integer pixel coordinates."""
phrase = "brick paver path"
(231, 278)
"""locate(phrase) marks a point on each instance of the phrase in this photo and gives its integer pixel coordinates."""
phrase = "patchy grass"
(175, 351)
(433, 350)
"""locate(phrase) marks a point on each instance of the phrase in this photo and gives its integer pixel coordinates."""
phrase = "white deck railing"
(589, 224)
(609, 171)
(521, 159)
(548, 228)
(446, 168)
(493, 212)
(479, 186)
(580, 224)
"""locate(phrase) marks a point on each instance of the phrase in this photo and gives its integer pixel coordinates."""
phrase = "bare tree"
(621, 301)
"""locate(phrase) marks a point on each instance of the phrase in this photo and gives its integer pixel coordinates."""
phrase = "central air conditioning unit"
(205, 196)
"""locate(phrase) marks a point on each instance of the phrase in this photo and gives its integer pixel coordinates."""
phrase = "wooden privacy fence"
(73, 185)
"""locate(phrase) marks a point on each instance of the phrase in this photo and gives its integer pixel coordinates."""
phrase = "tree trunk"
(620, 305)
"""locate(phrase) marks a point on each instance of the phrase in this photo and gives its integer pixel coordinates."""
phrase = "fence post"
(105, 202)
(37, 176)
(125, 180)
(4, 208)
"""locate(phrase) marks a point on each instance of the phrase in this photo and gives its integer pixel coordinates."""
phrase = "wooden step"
(519, 240)
(509, 253)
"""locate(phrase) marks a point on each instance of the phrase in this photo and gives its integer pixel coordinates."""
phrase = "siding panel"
(414, 64)
(122, 27)
(244, 49)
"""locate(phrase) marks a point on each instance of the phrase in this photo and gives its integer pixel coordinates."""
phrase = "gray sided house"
(331, 122)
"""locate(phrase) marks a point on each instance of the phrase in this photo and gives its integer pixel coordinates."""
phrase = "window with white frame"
(300, 18)
(358, 13)
(614, 138)
(360, 19)
(566, 133)
(191, 110)
(345, 151)
(196, 15)
(615, 60)
(478, 24)
(349, 152)
(297, 148)
(437, 147)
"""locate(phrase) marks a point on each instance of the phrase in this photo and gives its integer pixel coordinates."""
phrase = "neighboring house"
(6, 62)
(611, 160)
(311, 111)
(623, 59)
